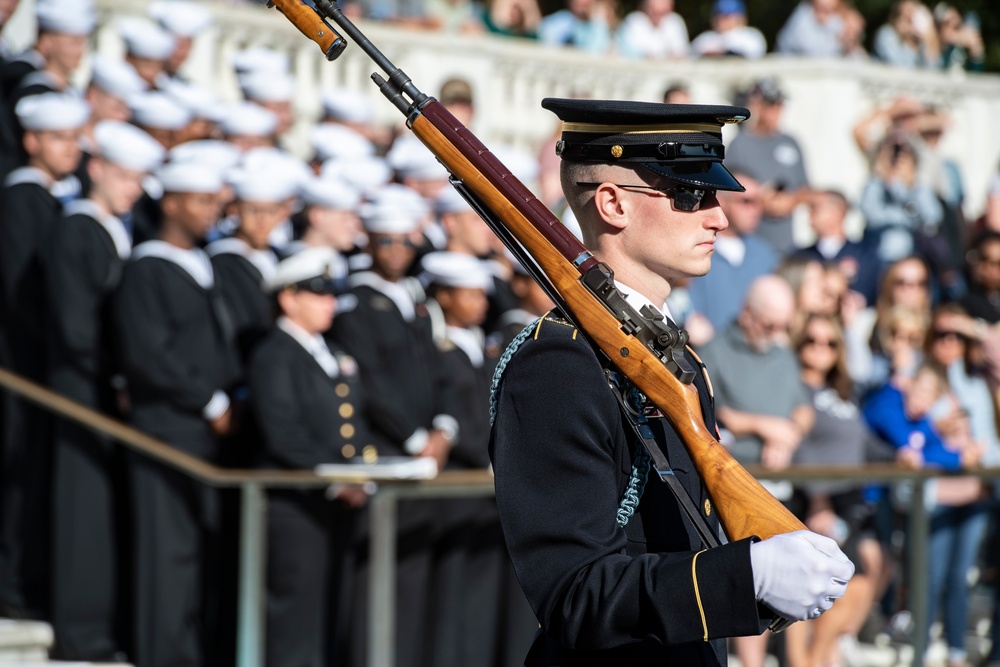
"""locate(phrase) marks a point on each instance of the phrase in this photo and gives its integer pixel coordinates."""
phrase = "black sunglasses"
(682, 197)
(389, 241)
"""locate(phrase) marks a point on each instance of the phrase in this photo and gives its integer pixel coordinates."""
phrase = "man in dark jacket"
(620, 578)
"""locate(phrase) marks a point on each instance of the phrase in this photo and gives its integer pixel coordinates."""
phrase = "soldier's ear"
(612, 205)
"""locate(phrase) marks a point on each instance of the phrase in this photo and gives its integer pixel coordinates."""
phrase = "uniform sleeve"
(276, 403)
(17, 242)
(556, 489)
(75, 291)
(150, 355)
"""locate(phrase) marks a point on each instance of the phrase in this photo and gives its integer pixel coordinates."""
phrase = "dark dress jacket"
(399, 362)
(83, 268)
(250, 307)
(306, 416)
(643, 594)
(176, 349)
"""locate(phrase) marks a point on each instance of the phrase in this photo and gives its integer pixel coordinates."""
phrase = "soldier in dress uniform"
(384, 323)
(178, 356)
(28, 212)
(613, 581)
(83, 267)
(308, 400)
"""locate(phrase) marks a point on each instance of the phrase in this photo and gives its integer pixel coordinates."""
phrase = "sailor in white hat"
(351, 108)
(245, 260)
(309, 400)
(31, 210)
(168, 293)
(367, 175)
(249, 125)
(203, 105)
(87, 252)
(273, 91)
(112, 84)
(416, 167)
(330, 216)
(63, 30)
(184, 20)
(331, 141)
(163, 118)
(258, 58)
(147, 47)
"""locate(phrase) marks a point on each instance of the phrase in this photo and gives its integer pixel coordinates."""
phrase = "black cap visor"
(701, 175)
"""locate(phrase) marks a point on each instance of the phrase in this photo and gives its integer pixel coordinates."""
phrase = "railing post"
(250, 634)
(919, 575)
(382, 579)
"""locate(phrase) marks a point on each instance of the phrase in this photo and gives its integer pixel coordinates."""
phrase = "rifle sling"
(663, 470)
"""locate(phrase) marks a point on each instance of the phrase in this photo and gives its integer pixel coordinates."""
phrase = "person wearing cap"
(246, 259)
(532, 303)
(468, 570)
(273, 92)
(329, 216)
(148, 47)
(456, 96)
(83, 267)
(730, 35)
(248, 126)
(614, 579)
(162, 117)
(348, 107)
(309, 400)
(31, 209)
(185, 21)
(384, 323)
(774, 158)
(176, 350)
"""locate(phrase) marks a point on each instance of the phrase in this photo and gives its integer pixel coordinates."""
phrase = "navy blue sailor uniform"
(28, 212)
(83, 268)
(645, 593)
(310, 406)
(178, 358)
(388, 331)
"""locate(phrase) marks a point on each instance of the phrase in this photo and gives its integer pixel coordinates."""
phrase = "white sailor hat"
(248, 119)
(52, 111)
(258, 58)
(409, 158)
(70, 17)
(329, 193)
(201, 102)
(264, 86)
(314, 270)
(449, 200)
(523, 165)
(396, 209)
(158, 110)
(456, 269)
(195, 177)
(330, 140)
(262, 185)
(116, 77)
(398, 196)
(278, 162)
(365, 174)
(347, 105)
(219, 154)
(127, 146)
(145, 39)
(184, 19)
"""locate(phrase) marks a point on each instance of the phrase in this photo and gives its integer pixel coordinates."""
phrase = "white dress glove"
(799, 574)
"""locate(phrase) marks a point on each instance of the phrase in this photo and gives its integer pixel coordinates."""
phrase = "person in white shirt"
(730, 35)
(653, 31)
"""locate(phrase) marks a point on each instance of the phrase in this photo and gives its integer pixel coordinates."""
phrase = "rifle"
(642, 345)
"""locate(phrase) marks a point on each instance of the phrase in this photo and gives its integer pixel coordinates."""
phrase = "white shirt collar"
(265, 261)
(637, 300)
(829, 247)
(399, 293)
(111, 224)
(732, 248)
(194, 261)
(470, 341)
(313, 344)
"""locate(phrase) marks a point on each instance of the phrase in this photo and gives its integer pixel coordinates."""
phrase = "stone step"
(24, 641)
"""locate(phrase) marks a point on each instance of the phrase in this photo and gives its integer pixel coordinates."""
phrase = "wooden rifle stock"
(743, 506)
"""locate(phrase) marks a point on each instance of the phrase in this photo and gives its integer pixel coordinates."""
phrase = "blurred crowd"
(164, 260)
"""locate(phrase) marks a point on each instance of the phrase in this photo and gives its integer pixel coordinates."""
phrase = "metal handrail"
(253, 484)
